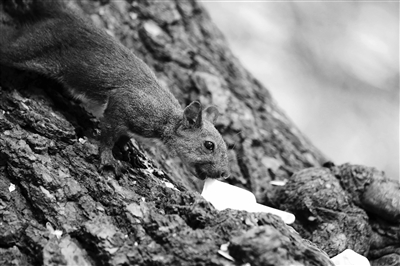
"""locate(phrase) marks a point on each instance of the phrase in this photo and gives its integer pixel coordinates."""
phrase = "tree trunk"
(48, 150)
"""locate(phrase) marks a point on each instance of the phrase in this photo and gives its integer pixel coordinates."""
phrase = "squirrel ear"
(211, 114)
(192, 115)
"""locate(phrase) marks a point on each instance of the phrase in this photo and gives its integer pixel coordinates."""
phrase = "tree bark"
(48, 150)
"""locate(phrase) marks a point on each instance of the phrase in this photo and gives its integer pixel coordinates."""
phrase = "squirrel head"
(198, 143)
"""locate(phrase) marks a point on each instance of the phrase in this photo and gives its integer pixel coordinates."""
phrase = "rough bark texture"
(347, 206)
(48, 151)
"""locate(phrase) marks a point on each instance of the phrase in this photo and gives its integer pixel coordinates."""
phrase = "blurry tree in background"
(333, 67)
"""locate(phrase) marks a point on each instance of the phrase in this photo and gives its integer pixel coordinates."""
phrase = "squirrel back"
(50, 38)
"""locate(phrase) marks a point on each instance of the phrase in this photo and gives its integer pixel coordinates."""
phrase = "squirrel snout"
(207, 171)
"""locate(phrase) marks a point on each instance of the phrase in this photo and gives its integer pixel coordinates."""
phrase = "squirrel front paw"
(107, 160)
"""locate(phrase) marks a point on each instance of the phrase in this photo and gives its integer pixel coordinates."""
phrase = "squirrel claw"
(108, 162)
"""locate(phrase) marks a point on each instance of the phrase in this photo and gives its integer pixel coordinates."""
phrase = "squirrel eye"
(209, 145)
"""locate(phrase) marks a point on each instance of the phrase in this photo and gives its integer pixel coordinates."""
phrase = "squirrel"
(52, 39)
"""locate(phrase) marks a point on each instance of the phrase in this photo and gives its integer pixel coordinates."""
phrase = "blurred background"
(332, 66)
